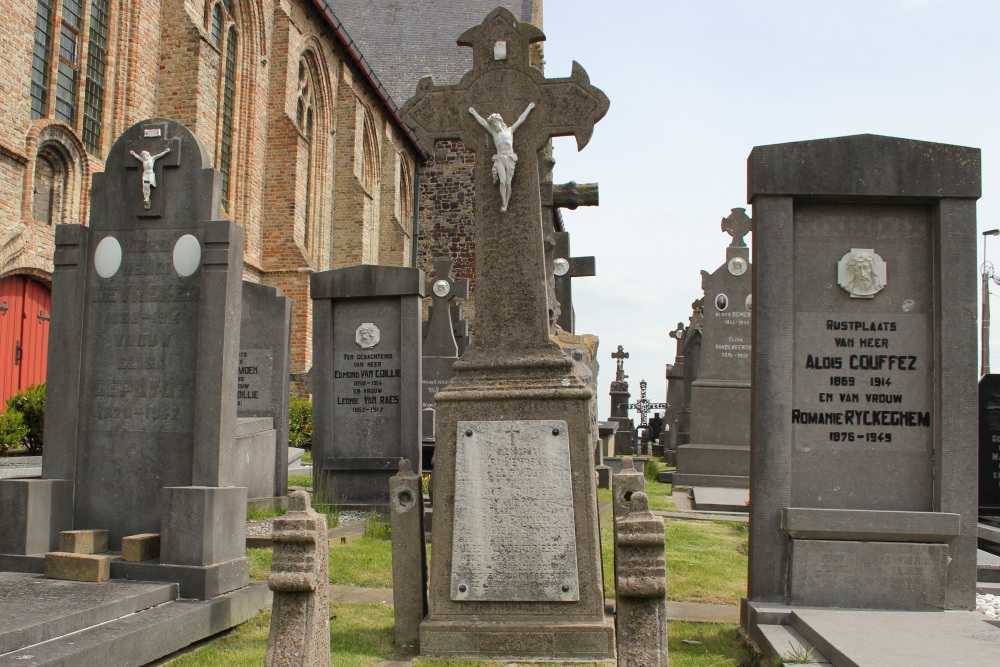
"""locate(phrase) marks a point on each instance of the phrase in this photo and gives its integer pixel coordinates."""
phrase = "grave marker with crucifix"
(644, 406)
(153, 152)
(515, 532)
(440, 347)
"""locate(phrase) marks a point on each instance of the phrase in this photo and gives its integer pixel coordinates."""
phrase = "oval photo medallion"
(721, 302)
(108, 257)
(187, 255)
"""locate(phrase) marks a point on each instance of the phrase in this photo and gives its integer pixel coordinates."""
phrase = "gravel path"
(266, 526)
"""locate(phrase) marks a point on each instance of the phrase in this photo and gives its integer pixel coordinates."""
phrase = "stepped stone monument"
(864, 377)
(366, 380)
(143, 353)
(625, 435)
(718, 454)
(516, 572)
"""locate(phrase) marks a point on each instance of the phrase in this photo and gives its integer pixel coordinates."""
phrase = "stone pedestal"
(409, 557)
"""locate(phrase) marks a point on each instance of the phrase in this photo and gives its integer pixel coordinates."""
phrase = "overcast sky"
(696, 84)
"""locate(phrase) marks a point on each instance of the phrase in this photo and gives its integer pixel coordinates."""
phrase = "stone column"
(624, 484)
(641, 584)
(409, 558)
(300, 614)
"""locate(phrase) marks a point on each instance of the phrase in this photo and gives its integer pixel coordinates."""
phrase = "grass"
(264, 513)
(360, 636)
(706, 561)
(307, 456)
(300, 480)
(660, 496)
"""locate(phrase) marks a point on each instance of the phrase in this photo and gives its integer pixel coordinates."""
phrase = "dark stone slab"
(262, 375)
(366, 379)
(864, 165)
(989, 444)
(863, 395)
(35, 609)
(144, 344)
(145, 637)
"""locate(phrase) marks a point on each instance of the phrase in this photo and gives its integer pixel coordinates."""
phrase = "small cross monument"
(515, 527)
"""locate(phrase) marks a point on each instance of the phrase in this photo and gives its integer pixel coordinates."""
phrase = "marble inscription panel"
(514, 536)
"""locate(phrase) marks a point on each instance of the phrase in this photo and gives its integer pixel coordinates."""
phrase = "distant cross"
(678, 335)
(643, 406)
(620, 356)
(153, 153)
(565, 268)
(440, 330)
(737, 224)
(512, 319)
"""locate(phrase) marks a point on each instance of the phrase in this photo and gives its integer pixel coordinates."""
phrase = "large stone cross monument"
(517, 567)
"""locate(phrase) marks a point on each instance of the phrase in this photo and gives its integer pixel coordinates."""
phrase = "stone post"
(409, 558)
(300, 614)
(623, 485)
(641, 584)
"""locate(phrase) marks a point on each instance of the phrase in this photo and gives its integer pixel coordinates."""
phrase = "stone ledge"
(870, 525)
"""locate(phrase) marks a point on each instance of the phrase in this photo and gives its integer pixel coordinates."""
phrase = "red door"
(24, 334)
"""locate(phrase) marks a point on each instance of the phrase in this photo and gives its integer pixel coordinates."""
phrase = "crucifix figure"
(505, 159)
(620, 356)
(512, 315)
(148, 174)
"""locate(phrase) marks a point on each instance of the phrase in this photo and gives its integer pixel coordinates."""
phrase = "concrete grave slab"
(716, 499)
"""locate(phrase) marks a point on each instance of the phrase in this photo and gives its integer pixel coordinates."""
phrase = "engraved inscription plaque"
(514, 535)
(253, 388)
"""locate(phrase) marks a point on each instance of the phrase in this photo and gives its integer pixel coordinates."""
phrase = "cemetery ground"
(706, 563)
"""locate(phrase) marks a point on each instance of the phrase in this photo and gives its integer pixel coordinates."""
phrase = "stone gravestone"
(718, 454)
(262, 387)
(864, 362)
(675, 395)
(989, 445)
(625, 435)
(139, 433)
(516, 571)
(366, 380)
(690, 345)
(440, 346)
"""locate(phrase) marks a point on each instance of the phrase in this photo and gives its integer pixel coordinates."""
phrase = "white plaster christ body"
(505, 159)
(148, 174)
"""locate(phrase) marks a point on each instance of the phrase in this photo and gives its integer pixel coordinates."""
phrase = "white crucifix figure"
(148, 174)
(505, 158)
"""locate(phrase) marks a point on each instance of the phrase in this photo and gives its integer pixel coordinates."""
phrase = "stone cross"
(443, 288)
(620, 356)
(565, 268)
(512, 325)
(643, 406)
(163, 152)
(737, 224)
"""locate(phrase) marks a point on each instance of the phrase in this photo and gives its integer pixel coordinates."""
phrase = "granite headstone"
(864, 370)
(366, 380)
(143, 358)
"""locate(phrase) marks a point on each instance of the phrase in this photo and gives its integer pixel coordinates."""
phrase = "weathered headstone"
(640, 587)
(989, 445)
(143, 357)
(300, 611)
(864, 368)
(514, 428)
(718, 454)
(440, 347)
(262, 384)
(366, 380)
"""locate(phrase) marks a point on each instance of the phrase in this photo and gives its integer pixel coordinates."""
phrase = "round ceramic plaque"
(108, 257)
(560, 267)
(367, 335)
(737, 266)
(187, 255)
(441, 288)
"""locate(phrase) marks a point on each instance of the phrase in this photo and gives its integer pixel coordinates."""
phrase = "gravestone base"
(34, 512)
(525, 622)
(726, 466)
(253, 461)
(584, 642)
(202, 525)
(358, 483)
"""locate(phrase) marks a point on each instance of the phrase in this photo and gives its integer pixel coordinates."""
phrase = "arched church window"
(305, 120)
(67, 65)
(217, 24)
(228, 116)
